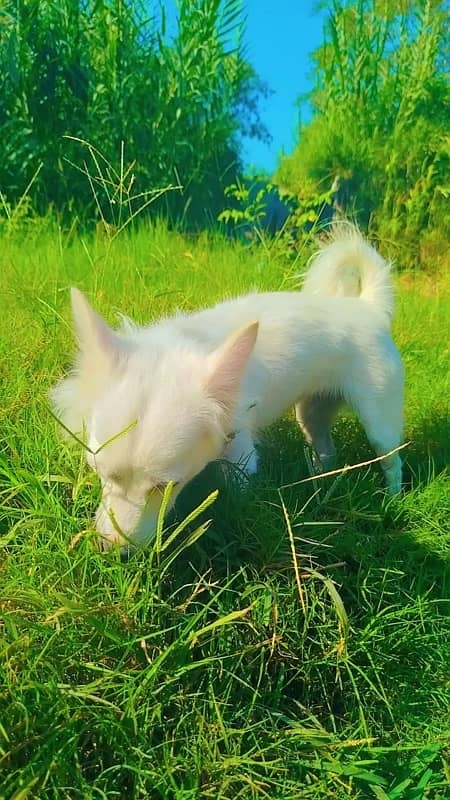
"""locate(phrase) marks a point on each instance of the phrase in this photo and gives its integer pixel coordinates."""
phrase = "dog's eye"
(161, 487)
(116, 477)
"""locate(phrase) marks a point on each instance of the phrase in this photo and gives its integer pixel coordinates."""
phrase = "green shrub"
(106, 72)
(382, 104)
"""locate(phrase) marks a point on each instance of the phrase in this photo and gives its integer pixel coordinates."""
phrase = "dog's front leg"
(241, 452)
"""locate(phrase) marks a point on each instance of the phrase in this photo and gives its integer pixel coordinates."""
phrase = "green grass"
(234, 670)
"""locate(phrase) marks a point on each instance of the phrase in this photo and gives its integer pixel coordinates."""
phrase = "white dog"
(199, 387)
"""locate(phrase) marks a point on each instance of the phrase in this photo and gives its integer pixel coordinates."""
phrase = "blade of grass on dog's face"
(191, 517)
(191, 538)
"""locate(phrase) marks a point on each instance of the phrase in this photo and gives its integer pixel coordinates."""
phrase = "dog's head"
(154, 409)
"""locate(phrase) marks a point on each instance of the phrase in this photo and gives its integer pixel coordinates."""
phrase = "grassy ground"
(221, 672)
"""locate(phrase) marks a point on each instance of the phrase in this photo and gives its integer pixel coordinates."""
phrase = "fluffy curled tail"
(348, 266)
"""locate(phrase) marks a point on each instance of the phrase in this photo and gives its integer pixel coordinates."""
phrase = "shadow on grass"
(389, 558)
(337, 512)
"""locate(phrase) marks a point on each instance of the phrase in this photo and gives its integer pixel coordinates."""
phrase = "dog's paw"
(322, 462)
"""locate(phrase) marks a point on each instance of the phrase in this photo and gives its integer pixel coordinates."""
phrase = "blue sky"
(280, 36)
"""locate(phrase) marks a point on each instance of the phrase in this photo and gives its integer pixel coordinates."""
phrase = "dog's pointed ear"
(93, 333)
(227, 364)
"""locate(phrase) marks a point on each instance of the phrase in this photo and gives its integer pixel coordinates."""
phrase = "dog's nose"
(106, 543)
(126, 553)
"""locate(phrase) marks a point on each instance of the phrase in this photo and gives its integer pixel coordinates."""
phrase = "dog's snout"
(114, 522)
(125, 523)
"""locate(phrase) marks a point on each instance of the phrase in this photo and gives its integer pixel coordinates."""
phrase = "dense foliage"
(112, 72)
(104, 103)
(380, 126)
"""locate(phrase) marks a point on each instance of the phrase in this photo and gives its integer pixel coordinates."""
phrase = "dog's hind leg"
(381, 413)
(315, 415)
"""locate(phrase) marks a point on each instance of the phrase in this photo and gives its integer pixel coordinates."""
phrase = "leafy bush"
(259, 209)
(106, 72)
(382, 105)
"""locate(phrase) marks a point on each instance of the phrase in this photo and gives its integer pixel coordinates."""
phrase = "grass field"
(299, 648)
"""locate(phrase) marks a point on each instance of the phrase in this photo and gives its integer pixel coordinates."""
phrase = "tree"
(382, 106)
(104, 71)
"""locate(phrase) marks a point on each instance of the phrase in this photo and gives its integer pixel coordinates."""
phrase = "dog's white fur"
(200, 386)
